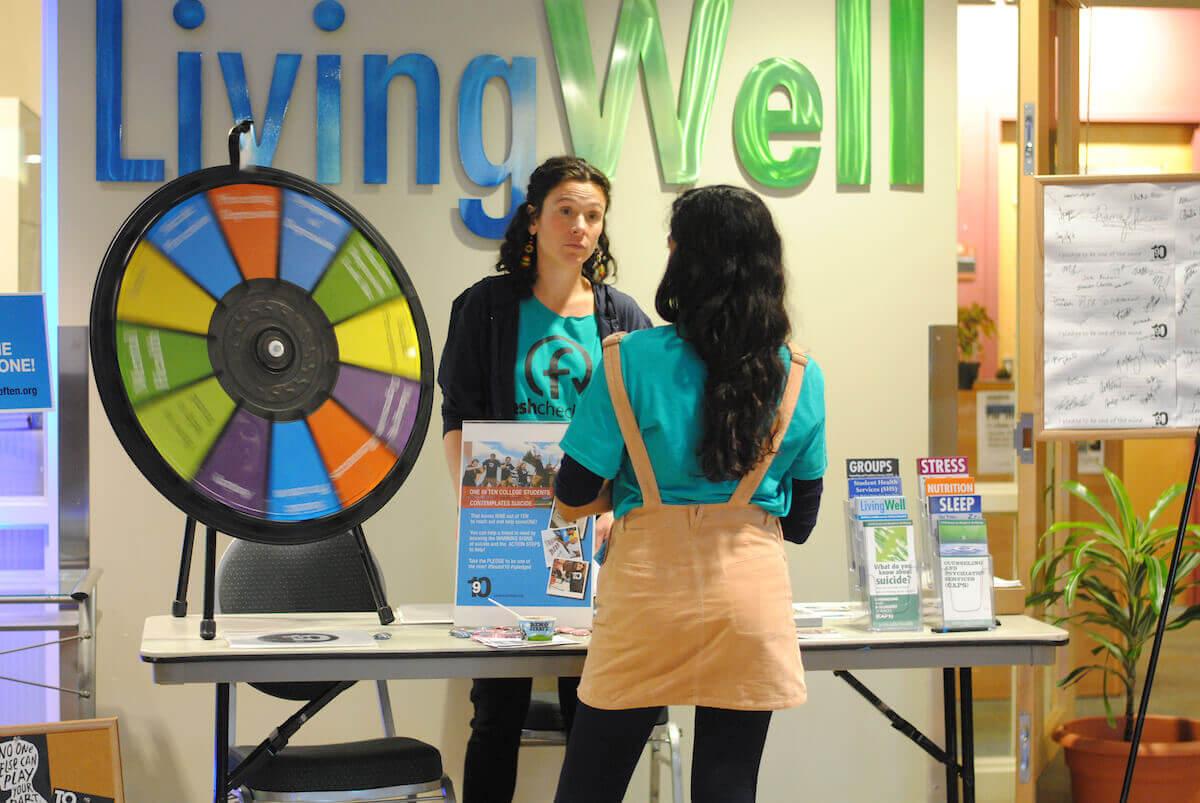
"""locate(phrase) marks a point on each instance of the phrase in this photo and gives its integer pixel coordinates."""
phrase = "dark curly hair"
(548, 175)
(723, 289)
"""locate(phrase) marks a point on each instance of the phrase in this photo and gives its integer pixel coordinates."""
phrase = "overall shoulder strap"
(783, 419)
(629, 427)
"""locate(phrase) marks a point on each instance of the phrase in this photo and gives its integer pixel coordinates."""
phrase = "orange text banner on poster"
(62, 761)
(1118, 275)
(249, 215)
(356, 460)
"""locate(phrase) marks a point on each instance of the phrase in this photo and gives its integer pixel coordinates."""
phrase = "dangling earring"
(527, 252)
(599, 270)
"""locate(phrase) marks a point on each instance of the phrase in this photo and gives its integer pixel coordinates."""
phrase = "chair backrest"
(325, 576)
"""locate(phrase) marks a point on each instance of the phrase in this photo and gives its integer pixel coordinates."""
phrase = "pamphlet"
(879, 544)
(958, 573)
(966, 591)
(894, 599)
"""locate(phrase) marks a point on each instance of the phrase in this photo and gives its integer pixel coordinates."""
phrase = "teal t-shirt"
(665, 380)
(557, 358)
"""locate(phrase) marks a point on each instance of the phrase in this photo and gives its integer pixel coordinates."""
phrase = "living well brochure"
(881, 547)
(893, 590)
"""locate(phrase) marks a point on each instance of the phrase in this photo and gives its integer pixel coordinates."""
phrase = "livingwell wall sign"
(597, 113)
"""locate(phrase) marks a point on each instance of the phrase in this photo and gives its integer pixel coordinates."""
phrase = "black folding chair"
(323, 577)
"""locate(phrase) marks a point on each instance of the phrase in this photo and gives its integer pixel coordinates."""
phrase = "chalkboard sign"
(61, 762)
(1119, 296)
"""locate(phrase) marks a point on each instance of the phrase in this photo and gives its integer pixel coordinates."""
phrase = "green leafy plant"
(973, 324)
(1110, 576)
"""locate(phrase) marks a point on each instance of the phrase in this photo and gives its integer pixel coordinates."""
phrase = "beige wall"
(21, 52)
(869, 272)
(20, 85)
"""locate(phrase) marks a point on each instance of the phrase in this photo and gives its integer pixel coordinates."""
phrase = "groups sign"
(597, 114)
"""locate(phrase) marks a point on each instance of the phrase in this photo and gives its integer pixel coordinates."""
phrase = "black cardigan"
(476, 370)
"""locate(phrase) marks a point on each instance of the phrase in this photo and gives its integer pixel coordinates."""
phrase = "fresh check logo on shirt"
(561, 350)
(556, 357)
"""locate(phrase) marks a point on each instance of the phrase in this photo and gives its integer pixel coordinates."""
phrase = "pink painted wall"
(987, 87)
(1143, 67)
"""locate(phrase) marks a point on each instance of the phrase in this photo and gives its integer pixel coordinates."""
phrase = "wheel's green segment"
(183, 425)
(358, 279)
(157, 361)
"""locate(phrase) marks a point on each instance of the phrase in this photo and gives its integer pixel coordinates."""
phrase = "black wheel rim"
(261, 354)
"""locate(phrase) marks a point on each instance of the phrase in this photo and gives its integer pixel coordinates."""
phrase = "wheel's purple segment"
(235, 472)
(385, 404)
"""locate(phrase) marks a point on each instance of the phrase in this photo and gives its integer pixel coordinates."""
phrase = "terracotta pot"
(1168, 764)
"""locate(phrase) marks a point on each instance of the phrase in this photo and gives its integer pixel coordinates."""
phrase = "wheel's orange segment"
(249, 215)
(154, 291)
(357, 461)
(184, 424)
(384, 338)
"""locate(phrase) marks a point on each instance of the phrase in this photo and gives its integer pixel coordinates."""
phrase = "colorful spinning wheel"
(261, 354)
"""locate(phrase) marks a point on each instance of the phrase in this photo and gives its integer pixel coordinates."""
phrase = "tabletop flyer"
(513, 547)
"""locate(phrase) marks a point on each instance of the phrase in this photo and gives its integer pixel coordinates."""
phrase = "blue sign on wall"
(24, 363)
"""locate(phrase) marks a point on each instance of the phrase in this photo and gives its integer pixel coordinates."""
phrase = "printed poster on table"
(512, 545)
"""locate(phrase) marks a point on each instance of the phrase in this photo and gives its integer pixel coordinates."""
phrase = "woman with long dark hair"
(711, 431)
(554, 267)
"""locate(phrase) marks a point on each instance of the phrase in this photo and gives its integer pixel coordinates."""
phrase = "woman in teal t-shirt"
(523, 345)
(707, 429)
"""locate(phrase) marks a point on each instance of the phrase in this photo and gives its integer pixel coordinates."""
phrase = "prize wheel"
(261, 354)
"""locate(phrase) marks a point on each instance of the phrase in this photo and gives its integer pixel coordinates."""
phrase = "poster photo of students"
(508, 532)
(512, 464)
(562, 542)
(568, 578)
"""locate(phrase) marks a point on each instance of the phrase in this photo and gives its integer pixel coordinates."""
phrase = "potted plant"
(973, 323)
(1109, 576)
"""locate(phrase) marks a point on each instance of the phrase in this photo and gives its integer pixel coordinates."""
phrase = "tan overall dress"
(694, 603)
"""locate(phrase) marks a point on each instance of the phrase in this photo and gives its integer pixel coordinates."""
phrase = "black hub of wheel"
(273, 349)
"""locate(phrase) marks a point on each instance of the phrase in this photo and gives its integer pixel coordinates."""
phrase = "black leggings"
(501, 705)
(605, 745)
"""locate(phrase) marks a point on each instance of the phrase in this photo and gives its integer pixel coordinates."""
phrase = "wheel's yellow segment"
(155, 292)
(384, 338)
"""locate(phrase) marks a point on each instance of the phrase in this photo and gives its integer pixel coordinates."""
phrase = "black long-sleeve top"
(577, 486)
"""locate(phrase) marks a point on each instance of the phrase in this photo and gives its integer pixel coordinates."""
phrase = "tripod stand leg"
(179, 606)
(386, 617)
(208, 625)
(1148, 684)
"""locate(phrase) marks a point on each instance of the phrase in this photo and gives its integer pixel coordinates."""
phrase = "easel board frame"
(1040, 432)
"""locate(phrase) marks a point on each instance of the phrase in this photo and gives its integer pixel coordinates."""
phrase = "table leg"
(950, 713)
(221, 746)
(967, 723)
